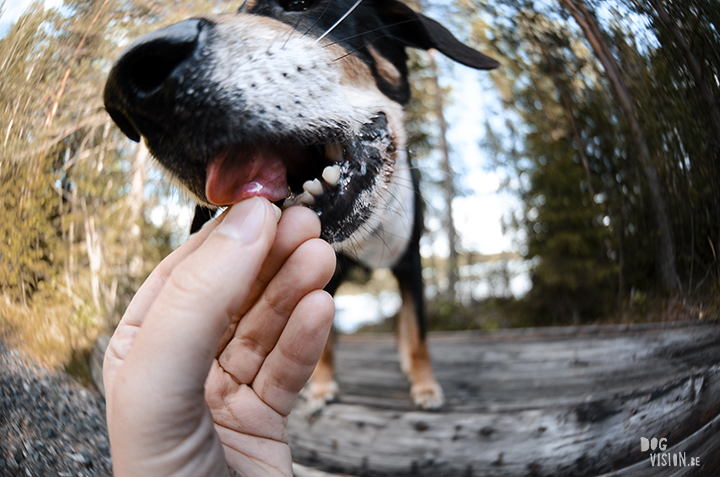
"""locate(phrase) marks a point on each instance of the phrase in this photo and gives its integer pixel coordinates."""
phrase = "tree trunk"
(137, 185)
(66, 76)
(448, 183)
(71, 240)
(665, 248)
(693, 65)
(94, 254)
(567, 106)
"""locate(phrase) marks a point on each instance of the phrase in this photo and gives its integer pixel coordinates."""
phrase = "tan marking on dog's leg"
(415, 358)
(322, 388)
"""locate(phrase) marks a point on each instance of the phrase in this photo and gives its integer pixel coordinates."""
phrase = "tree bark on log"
(555, 402)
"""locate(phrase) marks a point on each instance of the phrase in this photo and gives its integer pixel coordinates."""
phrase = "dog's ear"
(418, 31)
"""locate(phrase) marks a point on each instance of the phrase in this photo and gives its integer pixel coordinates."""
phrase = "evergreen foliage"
(588, 217)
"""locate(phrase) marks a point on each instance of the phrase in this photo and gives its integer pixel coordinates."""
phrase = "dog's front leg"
(322, 387)
(415, 362)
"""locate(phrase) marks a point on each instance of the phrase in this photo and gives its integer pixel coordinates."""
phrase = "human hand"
(206, 364)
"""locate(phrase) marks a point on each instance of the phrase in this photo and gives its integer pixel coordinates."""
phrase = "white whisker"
(339, 21)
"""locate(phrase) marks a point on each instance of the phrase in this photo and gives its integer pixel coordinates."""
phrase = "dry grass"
(60, 335)
(665, 309)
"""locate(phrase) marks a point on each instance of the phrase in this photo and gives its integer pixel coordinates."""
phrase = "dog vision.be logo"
(666, 459)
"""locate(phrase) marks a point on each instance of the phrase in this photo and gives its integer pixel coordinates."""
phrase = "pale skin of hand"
(206, 364)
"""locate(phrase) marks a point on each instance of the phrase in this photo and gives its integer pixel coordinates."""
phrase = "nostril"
(152, 59)
(125, 125)
(150, 71)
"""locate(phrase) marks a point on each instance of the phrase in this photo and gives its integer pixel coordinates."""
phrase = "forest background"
(603, 124)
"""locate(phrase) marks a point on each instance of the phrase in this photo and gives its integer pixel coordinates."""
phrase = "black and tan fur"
(283, 83)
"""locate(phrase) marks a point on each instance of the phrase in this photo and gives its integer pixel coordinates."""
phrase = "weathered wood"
(302, 471)
(556, 401)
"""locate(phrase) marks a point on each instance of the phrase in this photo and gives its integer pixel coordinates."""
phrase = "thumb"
(178, 339)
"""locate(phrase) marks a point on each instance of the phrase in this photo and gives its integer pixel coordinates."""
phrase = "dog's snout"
(143, 71)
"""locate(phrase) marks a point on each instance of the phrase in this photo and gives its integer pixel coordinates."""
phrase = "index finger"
(297, 225)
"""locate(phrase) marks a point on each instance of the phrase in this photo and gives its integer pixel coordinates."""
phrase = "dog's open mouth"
(284, 174)
(328, 178)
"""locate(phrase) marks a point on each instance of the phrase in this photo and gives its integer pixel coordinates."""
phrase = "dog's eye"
(295, 5)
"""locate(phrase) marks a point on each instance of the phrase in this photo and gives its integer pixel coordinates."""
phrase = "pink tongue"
(253, 171)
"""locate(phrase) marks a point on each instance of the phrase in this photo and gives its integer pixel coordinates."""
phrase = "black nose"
(140, 78)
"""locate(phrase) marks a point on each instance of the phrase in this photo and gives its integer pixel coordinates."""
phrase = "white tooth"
(289, 201)
(331, 175)
(334, 152)
(313, 187)
(306, 199)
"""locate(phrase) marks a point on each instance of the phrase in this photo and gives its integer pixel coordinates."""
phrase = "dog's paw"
(317, 394)
(428, 395)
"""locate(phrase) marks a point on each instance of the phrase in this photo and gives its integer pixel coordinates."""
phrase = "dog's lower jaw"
(381, 241)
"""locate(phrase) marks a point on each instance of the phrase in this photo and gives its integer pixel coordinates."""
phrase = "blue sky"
(12, 10)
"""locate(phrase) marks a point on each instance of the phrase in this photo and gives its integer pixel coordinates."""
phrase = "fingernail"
(278, 212)
(244, 221)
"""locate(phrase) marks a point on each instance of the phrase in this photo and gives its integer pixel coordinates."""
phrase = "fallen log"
(541, 402)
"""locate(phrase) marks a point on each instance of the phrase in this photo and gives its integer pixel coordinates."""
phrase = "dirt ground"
(49, 424)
